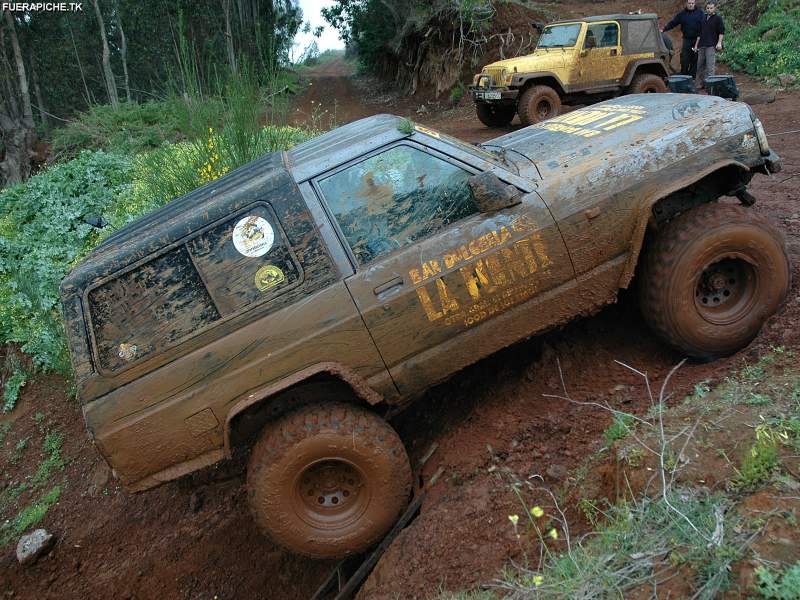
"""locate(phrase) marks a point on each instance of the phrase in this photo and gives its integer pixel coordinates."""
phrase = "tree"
(111, 84)
(16, 115)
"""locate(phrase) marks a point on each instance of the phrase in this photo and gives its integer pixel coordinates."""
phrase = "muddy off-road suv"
(578, 60)
(285, 308)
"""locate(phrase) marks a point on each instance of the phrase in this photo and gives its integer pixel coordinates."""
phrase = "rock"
(557, 472)
(758, 97)
(99, 479)
(196, 502)
(786, 79)
(30, 547)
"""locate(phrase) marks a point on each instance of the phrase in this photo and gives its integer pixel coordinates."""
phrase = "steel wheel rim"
(543, 108)
(331, 493)
(726, 290)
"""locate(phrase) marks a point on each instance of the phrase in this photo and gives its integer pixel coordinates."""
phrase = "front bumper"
(773, 162)
(493, 94)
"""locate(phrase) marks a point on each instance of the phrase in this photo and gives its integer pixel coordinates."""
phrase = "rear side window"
(396, 197)
(225, 269)
(602, 35)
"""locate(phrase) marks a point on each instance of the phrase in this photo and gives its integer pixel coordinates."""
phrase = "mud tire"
(647, 83)
(326, 442)
(494, 116)
(538, 103)
(712, 278)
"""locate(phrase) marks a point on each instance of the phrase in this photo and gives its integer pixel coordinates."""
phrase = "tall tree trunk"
(226, 9)
(17, 127)
(39, 102)
(123, 50)
(111, 84)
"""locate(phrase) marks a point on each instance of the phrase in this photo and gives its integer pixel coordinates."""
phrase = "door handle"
(390, 285)
(613, 52)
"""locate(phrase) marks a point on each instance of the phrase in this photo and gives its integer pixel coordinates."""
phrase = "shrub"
(768, 48)
(42, 234)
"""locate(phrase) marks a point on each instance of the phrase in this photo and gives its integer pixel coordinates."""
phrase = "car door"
(428, 265)
(601, 60)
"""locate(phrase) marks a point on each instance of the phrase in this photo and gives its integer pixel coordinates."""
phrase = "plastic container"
(681, 84)
(723, 86)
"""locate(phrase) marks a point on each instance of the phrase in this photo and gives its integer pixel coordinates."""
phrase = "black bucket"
(681, 84)
(723, 86)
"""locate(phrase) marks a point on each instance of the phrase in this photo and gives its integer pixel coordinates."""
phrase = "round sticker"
(253, 236)
(268, 276)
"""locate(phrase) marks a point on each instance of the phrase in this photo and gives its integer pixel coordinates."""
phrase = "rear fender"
(360, 388)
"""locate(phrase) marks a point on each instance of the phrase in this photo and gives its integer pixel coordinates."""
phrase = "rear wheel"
(647, 83)
(328, 480)
(538, 103)
(494, 116)
(711, 279)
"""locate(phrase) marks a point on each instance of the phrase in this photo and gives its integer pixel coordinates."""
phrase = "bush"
(768, 48)
(130, 129)
(42, 234)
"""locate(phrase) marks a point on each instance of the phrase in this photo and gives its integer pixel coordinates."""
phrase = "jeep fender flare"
(633, 67)
(521, 80)
(646, 211)
(360, 388)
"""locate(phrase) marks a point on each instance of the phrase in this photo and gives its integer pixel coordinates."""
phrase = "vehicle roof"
(616, 17)
(342, 144)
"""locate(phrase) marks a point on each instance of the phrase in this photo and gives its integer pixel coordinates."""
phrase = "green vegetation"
(618, 429)
(51, 448)
(784, 585)
(28, 517)
(12, 387)
(769, 47)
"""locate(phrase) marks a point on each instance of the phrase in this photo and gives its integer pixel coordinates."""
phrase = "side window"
(395, 198)
(602, 35)
(240, 262)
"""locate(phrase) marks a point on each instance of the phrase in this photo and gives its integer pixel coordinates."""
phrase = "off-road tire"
(538, 103)
(647, 83)
(494, 116)
(328, 480)
(711, 279)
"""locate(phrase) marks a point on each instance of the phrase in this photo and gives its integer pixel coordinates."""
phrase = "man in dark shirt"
(690, 20)
(709, 42)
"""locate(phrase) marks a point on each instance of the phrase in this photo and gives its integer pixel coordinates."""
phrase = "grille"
(496, 73)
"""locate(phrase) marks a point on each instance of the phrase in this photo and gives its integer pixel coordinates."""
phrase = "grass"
(781, 585)
(51, 448)
(28, 517)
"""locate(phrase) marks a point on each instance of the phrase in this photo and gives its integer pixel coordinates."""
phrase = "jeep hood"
(623, 127)
(541, 60)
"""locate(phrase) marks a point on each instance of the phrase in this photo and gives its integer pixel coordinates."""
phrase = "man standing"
(690, 19)
(709, 42)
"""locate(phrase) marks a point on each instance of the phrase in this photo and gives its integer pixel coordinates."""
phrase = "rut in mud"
(194, 538)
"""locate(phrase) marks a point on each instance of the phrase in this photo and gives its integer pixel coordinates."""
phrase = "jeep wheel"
(494, 116)
(711, 279)
(328, 480)
(646, 83)
(538, 103)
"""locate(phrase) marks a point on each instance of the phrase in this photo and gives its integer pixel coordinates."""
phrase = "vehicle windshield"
(560, 36)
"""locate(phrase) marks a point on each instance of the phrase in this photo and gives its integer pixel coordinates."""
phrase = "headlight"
(761, 135)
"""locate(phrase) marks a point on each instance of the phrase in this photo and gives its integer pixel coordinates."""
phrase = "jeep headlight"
(761, 135)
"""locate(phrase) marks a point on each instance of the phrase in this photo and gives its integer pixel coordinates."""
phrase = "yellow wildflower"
(514, 520)
(537, 511)
(553, 534)
(537, 580)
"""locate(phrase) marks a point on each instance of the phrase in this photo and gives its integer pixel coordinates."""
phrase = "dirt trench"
(193, 538)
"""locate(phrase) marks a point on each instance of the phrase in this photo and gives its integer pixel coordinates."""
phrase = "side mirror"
(491, 194)
(538, 27)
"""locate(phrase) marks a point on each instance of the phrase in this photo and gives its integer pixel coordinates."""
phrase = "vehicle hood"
(631, 127)
(540, 60)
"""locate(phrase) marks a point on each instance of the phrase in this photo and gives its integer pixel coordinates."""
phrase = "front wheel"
(538, 103)
(712, 278)
(328, 480)
(494, 116)
(646, 83)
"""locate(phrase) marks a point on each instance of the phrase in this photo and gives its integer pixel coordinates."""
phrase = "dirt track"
(193, 538)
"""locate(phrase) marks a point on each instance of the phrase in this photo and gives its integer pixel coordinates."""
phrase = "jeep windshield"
(559, 36)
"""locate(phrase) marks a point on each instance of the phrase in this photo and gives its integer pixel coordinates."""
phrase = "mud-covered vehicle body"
(575, 60)
(298, 299)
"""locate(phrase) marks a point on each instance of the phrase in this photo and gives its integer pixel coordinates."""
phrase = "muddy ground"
(193, 538)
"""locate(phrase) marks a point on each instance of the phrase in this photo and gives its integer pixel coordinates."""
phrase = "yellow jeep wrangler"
(577, 60)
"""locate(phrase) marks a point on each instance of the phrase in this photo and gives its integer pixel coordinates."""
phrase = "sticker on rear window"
(268, 277)
(253, 236)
